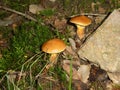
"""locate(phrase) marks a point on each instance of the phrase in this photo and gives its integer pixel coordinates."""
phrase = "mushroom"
(53, 47)
(80, 22)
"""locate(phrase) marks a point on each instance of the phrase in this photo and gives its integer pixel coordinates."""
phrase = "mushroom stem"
(53, 58)
(80, 31)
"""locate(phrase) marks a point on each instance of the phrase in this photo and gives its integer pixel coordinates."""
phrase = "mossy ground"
(22, 60)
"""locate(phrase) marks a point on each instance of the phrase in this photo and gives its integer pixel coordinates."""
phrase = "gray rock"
(115, 77)
(103, 47)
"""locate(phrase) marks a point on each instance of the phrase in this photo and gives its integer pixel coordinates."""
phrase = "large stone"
(115, 77)
(103, 47)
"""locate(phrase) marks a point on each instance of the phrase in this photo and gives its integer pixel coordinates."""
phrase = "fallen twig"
(20, 13)
(93, 14)
(90, 14)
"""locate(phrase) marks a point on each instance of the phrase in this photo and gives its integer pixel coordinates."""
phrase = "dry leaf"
(70, 52)
(79, 72)
(67, 67)
(14, 25)
(99, 19)
(1, 35)
(101, 9)
(73, 44)
(52, 0)
(84, 71)
(80, 85)
(60, 24)
(93, 6)
(0, 55)
(3, 42)
(35, 9)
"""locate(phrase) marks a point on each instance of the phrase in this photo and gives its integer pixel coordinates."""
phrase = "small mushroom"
(53, 47)
(81, 22)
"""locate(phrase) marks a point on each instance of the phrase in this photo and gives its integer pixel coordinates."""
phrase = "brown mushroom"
(53, 47)
(81, 22)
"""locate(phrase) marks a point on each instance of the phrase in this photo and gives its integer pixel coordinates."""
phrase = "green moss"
(26, 41)
(47, 12)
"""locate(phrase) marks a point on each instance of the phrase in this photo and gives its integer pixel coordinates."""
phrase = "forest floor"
(23, 30)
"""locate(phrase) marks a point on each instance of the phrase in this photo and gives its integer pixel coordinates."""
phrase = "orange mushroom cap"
(81, 20)
(54, 46)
